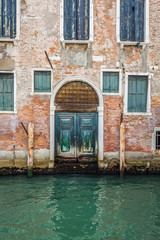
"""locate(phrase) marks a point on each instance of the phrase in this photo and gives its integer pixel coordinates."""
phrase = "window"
(137, 93)
(76, 19)
(111, 82)
(6, 92)
(7, 18)
(42, 81)
(157, 140)
(132, 20)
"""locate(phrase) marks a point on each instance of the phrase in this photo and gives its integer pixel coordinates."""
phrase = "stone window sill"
(137, 114)
(8, 112)
(111, 94)
(9, 39)
(40, 93)
(87, 42)
(130, 43)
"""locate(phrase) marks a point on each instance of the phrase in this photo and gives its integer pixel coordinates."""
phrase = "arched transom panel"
(76, 96)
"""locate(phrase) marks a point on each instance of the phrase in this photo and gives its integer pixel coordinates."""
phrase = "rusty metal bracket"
(24, 128)
(121, 121)
(48, 59)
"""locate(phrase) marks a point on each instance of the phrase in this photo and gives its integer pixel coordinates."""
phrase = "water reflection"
(79, 207)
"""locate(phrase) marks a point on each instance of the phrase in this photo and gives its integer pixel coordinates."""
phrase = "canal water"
(79, 207)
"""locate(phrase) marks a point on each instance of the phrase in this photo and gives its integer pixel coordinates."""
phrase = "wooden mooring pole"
(30, 150)
(122, 148)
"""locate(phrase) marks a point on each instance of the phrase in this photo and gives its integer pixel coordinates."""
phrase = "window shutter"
(82, 19)
(8, 92)
(8, 18)
(137, 93)
(3, 17)
(12, 18)
(42, 81)
(69, 19)
(142, 86)
(139, 20)
(126, 20)
(110, 82)
(132, 94)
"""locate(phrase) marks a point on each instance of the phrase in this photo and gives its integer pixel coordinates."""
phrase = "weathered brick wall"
(40, 31)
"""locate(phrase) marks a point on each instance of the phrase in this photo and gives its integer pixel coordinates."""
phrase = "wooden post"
(122, 148)
(30, 150)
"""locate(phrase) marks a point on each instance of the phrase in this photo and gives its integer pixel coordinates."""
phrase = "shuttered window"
(137, 93)
(110, 82)
(8, 18)
(42, 81)
(6, 91)
(76, 19)
(132, 20)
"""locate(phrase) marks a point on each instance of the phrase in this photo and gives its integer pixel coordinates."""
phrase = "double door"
(76, 135)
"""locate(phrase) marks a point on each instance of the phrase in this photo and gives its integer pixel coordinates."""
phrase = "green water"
(79, 207)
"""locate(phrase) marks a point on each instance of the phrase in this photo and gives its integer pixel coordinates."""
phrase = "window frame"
(3, 39)
(148, 104)
(146, 25)
(156, 129)
(62, 25)
(15, 93)
(104, 69)
(42, 70)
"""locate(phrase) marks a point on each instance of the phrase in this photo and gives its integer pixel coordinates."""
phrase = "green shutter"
(42, 81)
(137, 93)
(6, 92)
(110, 82)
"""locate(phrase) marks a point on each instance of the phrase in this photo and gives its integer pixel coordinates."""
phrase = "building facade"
(76, 69)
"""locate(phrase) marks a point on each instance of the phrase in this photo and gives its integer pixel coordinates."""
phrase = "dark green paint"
(65, 141)
(76, 134)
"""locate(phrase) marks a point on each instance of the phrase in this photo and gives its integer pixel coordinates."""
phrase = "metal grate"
(76, 95)
(158, 140)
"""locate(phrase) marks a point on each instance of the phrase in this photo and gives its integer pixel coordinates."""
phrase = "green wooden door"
(86, 134)
(65, 135)
(76, 135)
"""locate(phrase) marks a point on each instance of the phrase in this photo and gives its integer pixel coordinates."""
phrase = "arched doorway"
(76, 134)
(76, 120)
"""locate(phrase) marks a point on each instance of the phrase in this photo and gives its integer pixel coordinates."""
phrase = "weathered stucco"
(40, 32)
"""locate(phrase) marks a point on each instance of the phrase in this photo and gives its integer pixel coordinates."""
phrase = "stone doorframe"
(52, 117)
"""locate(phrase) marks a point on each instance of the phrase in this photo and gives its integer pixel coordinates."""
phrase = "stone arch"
(53, 109)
